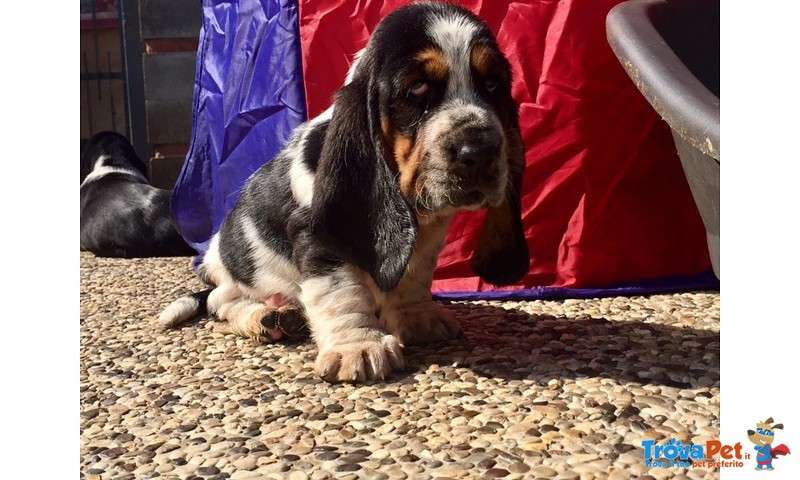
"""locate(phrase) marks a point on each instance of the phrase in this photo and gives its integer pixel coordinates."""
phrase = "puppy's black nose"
(475, 156)
(750, 432)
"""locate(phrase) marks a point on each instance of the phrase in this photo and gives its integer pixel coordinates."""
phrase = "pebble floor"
(562, 389)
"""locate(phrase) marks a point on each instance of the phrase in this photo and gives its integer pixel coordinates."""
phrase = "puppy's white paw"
(369, 355)
(421, 324)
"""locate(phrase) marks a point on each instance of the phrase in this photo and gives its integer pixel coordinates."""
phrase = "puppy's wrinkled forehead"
(442, 36)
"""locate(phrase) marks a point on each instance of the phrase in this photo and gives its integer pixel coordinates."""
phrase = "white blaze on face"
(454, 33)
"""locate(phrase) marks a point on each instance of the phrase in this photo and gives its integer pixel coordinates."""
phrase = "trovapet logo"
(675, 453)
(714, 453)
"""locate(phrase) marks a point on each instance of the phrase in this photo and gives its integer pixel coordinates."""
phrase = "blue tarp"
(248, 97)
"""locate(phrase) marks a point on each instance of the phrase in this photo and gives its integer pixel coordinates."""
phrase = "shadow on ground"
(514, 345)
(511, 344)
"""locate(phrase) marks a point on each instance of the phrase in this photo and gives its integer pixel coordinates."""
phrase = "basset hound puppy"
(342, 229)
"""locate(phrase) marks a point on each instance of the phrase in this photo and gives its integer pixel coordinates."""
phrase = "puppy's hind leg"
(270, 320)
(287, 320)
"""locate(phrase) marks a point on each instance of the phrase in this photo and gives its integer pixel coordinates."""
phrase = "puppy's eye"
(418, 89)
(491, 84)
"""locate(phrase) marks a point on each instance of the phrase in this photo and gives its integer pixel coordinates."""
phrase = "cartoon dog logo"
(762, 438)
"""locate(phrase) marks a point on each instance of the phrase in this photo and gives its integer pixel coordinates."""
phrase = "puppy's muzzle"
(466, 165)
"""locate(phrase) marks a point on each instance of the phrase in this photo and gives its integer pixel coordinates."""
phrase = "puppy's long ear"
(357, 211)
(501, 255)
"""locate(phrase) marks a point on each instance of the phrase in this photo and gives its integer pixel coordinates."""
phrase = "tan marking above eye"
(485, 60)
(480, 58)
(433, 64)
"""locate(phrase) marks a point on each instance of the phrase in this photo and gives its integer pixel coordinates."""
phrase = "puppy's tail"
(184, 308)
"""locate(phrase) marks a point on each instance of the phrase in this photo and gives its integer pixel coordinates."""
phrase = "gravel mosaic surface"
(544, 389)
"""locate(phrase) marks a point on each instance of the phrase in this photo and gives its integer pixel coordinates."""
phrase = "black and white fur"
(122, 215)
(346, 223)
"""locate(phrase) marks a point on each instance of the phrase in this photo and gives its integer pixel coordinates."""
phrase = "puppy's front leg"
(414, 318)
(409, 311)
(341, 313)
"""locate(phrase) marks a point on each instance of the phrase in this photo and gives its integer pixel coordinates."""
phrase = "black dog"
(122, 215)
